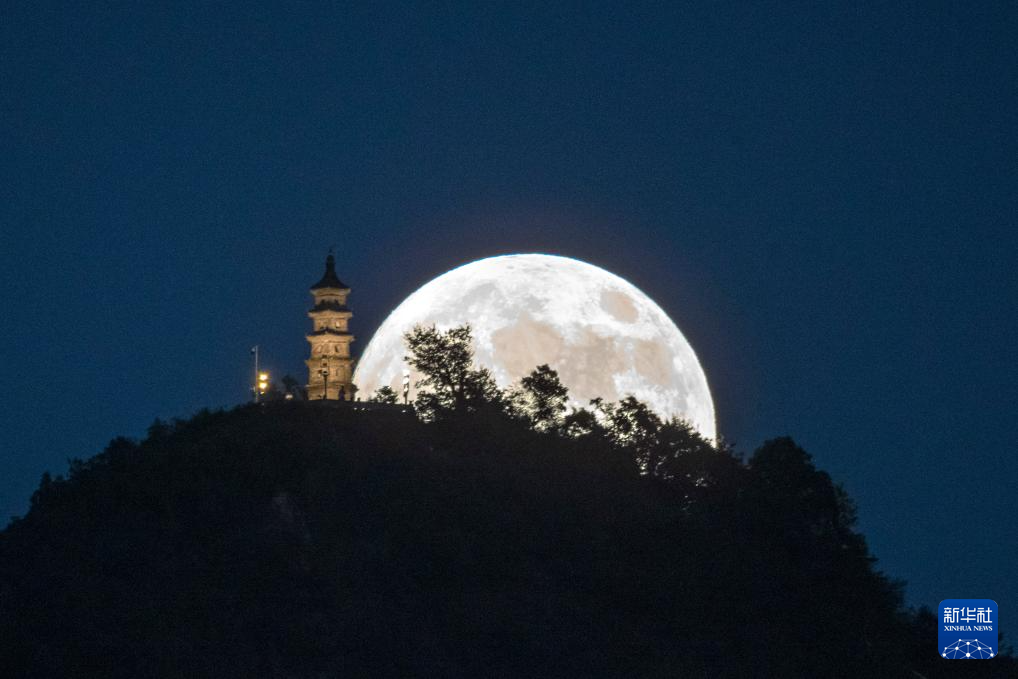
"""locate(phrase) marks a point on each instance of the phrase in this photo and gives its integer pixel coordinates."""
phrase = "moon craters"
(619, 306)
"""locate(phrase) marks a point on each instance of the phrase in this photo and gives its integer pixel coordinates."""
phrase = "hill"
(295, 540)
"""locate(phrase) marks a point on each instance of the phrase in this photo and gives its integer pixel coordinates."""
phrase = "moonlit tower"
(330, 367)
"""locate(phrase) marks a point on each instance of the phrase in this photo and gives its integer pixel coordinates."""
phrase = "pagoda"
(330, 366)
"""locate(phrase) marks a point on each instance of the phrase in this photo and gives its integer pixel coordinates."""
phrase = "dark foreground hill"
(295, 540)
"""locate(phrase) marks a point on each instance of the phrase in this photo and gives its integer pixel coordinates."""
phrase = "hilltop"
(291, 540)
(487, 533)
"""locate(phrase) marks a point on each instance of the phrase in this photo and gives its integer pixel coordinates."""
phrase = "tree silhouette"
(450, 385)
(784, 478)
(633, 427)
(293, 387)
(540, 399)
(384, 394)
(582, 423)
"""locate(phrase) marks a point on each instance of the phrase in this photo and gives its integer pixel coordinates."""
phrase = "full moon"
(604, 336)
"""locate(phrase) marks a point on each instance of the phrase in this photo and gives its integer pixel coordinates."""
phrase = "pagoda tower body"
(330, 366)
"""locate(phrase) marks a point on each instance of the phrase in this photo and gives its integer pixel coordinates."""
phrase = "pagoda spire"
(330, 279)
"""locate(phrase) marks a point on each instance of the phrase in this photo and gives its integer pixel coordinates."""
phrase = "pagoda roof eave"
(329, 332)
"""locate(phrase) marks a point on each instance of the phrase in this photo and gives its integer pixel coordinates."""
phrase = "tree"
(581, 423)
(384, 394)
(681, 453)
(450, 385)
(541, 399)
(783, 476)
(292, 386)
(633, 427)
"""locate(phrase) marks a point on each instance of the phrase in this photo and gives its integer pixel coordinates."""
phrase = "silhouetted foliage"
(384, 394)
(310, 540)
(540, 399)
(451, 385)
(293, 388)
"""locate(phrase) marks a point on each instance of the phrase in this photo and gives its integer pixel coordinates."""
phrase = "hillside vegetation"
(497, 536)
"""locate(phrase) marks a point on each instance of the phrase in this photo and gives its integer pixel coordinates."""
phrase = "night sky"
(823, 199)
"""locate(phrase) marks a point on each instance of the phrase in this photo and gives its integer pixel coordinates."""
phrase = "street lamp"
(324, 372)
(254, 352)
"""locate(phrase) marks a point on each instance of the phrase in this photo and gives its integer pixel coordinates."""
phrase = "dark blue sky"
(824, 199)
